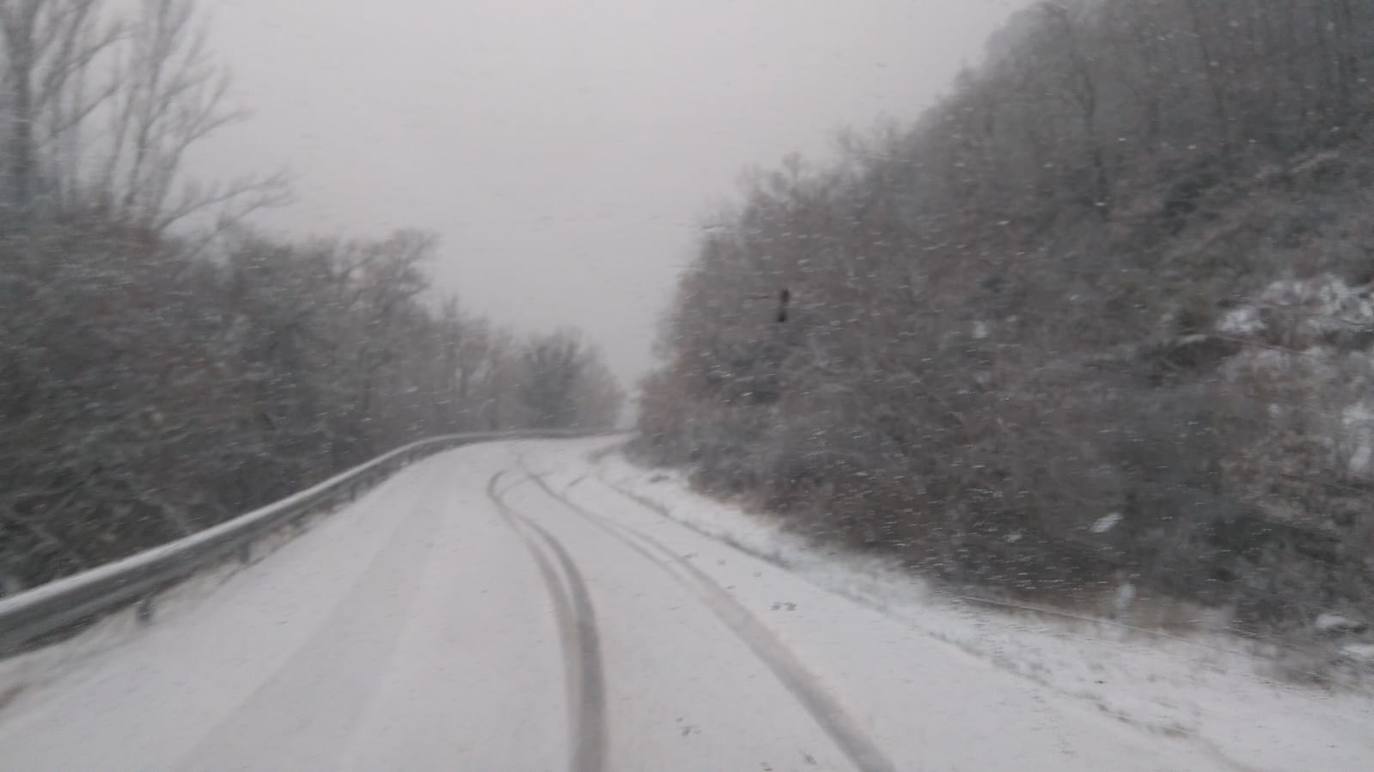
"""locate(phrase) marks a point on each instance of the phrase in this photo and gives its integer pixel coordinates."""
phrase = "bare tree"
(170, 97)
(53, 50)
(101, 109)
(564, 385)
(1080, 82)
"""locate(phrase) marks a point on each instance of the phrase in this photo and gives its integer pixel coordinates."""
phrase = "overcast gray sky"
(564, 150)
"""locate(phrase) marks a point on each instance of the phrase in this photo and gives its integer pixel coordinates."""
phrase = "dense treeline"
(1100, 317)
(162, 367)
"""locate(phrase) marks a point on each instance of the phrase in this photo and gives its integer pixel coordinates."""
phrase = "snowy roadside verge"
(348, 530)
(1212, 688)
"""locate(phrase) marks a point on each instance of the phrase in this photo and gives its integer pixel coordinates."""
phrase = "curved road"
(501, 607)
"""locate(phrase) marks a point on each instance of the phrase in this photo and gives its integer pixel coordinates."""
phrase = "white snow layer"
(1106, 523)
(1210, 692)
(1335, 623)
(416, 630)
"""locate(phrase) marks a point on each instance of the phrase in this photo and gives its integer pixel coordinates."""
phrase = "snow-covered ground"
(548, 605)
(1210, 690)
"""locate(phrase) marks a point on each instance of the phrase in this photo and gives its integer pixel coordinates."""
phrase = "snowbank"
(1215, 690)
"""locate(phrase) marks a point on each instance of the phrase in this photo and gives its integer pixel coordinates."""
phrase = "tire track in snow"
(824, 708)
(1207, 746)
(576, 621)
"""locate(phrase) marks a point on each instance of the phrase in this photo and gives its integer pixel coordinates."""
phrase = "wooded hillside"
(1103, 315)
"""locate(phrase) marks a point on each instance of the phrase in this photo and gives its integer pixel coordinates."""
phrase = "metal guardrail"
(53, 607)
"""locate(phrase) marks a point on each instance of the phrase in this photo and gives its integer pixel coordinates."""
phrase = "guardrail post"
(144, 613)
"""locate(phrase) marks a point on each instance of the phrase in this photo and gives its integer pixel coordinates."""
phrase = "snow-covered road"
(508, 607)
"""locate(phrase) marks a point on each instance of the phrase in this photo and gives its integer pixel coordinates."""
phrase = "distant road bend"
(504, 607)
